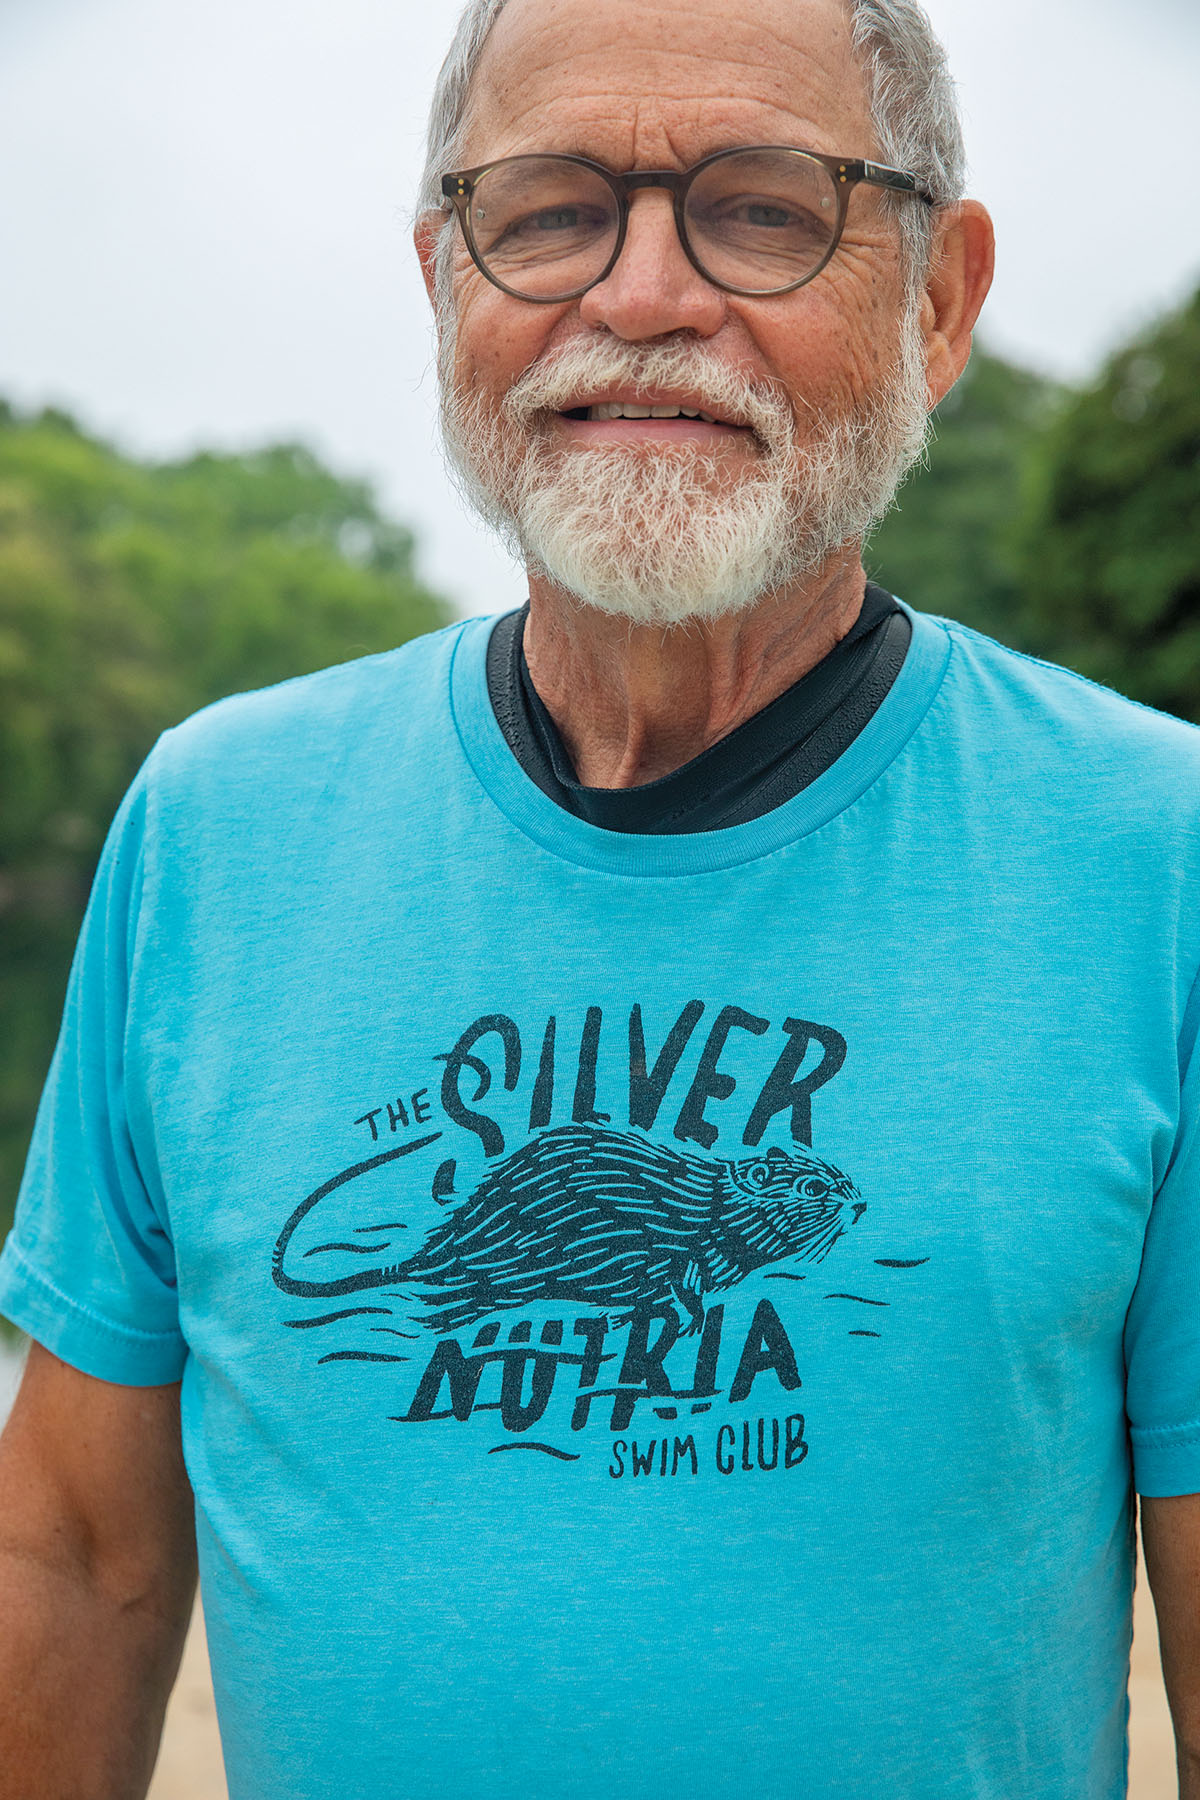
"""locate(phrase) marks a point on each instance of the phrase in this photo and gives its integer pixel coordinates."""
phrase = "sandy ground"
(1151, 1740)
(189, 1766)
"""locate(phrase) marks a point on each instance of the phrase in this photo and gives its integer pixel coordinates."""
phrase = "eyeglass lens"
(760, 220)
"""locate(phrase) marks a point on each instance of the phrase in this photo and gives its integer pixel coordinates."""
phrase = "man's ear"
(426, 234)
(960, 274)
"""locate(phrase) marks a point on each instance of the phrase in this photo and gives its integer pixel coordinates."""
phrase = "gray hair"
(913, 104)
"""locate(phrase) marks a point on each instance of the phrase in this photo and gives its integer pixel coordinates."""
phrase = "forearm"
(1171, 1534)
(87, 1662)
(1189, 1776)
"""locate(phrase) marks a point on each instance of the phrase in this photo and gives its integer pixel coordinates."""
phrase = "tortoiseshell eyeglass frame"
(847, 172)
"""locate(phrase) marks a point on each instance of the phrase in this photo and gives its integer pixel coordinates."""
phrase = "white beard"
(663, 538)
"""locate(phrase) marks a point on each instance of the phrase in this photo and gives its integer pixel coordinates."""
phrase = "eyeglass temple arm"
(879, 175)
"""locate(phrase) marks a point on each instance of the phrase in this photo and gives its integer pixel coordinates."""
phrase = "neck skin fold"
(633, 703)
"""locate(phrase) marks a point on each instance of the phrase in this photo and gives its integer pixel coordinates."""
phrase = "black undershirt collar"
(767, 760)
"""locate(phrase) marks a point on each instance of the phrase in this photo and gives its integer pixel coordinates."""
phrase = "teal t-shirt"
(668, 1316)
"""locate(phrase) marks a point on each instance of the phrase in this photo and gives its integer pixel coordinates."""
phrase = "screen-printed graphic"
(647, 1236)
(609, 1219)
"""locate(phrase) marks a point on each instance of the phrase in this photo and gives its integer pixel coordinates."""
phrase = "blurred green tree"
(1108, 546)
(131, 594)
(948, 546)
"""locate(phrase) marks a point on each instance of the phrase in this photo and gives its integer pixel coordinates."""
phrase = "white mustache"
(556, 380)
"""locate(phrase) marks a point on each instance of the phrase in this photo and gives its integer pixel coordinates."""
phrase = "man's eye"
(559, 218)
(551, 221)
(759, 223)
(759, 212)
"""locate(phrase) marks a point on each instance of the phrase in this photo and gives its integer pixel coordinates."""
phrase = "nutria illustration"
(611, 1220)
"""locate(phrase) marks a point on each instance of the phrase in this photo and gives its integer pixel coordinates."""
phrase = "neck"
(635, 702)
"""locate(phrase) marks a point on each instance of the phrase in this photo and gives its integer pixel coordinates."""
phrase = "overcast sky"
(204, 217)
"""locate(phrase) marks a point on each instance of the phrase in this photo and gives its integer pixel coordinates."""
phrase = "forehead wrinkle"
(682, 134)
(539, 19)
(539, 72)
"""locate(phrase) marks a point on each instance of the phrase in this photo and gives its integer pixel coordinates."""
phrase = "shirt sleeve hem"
(1166, 1460)
(86, 1340)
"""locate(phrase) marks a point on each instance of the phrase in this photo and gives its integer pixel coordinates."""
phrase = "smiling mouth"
(626, 409)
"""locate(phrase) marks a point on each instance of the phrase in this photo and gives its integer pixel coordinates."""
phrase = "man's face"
(672, 518)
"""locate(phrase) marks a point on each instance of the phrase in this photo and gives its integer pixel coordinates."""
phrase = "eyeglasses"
(760, 220)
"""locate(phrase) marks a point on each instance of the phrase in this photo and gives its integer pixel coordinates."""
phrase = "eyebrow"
(573, 147)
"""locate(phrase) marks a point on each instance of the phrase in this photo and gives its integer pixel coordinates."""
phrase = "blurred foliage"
(130, 595)
(1067, 523)
(947, 547)
(1108, 538)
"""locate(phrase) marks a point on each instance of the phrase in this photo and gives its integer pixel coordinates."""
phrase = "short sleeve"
(88, 1269)
(1162, 1331)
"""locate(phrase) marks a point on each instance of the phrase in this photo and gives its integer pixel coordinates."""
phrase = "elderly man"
(651, 1146)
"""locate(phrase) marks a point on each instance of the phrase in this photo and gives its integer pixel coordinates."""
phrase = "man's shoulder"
(398, 695)
(1065, 717)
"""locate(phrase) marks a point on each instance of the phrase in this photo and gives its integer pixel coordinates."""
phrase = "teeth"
(626, 409)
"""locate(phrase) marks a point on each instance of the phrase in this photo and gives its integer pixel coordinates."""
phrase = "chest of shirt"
(491, 1141)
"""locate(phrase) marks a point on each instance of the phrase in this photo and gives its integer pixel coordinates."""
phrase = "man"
(658, 1139)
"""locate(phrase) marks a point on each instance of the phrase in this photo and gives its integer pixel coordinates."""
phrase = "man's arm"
(97, 1573)
(1171, 1534)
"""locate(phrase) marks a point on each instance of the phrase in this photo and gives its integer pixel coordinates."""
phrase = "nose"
(652, 289)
